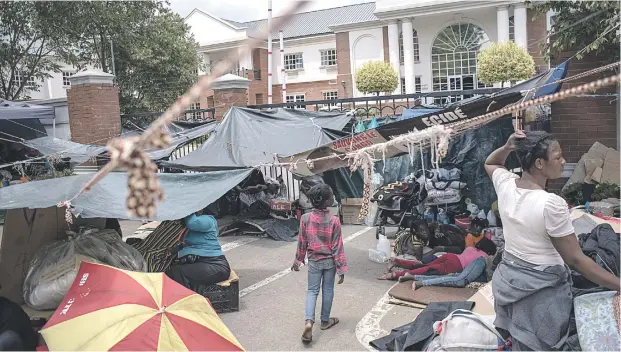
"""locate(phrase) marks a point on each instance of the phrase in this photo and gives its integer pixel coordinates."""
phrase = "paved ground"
(271, 314)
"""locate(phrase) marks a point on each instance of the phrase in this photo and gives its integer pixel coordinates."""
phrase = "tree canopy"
(504, 62)
(589, 24)
(155, 58)
(376, 77)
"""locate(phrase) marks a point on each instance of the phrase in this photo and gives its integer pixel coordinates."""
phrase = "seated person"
(16, 333)
(447, 264)
(476, 231)
(474, 272)
(200, 260)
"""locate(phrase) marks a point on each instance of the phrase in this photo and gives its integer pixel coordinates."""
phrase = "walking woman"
(320, 238)
(531, 285)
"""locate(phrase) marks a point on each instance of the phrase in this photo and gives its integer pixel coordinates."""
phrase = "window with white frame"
(454, 59)
(414, 41)
(512, 28)
(294, 61)
(330, 95)
(418, 86)
(195, 115)
(17, 78)
(66, 75)
(328, 57)
(30, 82)
(295, 98)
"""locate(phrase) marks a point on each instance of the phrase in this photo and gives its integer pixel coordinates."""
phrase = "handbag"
(464, 330)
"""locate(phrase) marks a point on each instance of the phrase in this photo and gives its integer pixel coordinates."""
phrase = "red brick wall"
(259, 61)
(311, 90)
(537, 31)
(226, 98)
(94, 114)
(343, 66)
(385, 38)
(581, 121)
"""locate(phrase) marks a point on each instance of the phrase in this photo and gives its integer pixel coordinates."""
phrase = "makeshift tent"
(462, 110)
(21, 120)
(248, 137)
(80, 153)
(183, 193)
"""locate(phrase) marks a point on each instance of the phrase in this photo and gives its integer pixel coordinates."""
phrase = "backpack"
(463, 330)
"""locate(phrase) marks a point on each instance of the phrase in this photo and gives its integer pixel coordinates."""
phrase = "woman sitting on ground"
(200, 260)
(532, 286)
(449, 263)
(474, 272)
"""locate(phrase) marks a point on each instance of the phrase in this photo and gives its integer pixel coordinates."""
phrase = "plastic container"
(429, 216)
(463, 223)
(443, 217)
(383, 245)
(378, 256)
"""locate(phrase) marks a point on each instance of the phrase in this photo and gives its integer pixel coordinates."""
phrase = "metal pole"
(269, 52)
(112, 57)
(283, 74)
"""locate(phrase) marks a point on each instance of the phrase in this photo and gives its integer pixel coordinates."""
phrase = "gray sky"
(248, 10)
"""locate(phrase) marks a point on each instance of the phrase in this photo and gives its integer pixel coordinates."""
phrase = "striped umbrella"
(112, 309)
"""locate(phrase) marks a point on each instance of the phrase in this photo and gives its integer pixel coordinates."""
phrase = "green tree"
(27, 47)
(376, 77)
(589, 24)
(504, 62)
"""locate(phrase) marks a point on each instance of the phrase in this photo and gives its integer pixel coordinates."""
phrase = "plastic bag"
(55, 266)
(377, 181)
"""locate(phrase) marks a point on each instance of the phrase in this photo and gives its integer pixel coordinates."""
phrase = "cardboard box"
(350, 209)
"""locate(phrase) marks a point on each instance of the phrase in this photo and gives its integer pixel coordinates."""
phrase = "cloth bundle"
(55, 266)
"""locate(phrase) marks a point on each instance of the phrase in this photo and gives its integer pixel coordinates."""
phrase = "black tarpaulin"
(248, 137)
(184, 193)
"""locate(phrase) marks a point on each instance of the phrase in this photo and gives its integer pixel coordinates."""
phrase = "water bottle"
(429, 216)
(443, 217)
(383, 245)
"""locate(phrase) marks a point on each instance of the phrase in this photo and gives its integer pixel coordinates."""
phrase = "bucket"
(463, 223)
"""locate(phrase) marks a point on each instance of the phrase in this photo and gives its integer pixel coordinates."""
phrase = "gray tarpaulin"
(12, 110)
(79, 153)
(183, 193)
(248, 137)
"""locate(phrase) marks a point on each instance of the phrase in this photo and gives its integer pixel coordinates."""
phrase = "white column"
(207, 63)
(502, 18)
(408, 55)
(520, 25)
(393, 50)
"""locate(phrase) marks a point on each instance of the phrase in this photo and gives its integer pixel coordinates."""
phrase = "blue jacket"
(202, 237)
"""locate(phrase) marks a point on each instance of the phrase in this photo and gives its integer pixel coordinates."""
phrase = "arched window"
(414, 41)
(454, 59)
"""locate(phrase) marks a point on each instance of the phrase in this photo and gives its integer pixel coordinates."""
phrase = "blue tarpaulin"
(416, 112)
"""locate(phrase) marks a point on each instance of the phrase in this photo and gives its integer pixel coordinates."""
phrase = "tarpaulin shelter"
(21, 119)
(248, 137)
(416, 112)
(184, 193)
(461, 110)
(80, 153)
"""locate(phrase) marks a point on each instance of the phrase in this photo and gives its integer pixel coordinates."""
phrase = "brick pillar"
(343, 64)
(93, 103)
(228, 91)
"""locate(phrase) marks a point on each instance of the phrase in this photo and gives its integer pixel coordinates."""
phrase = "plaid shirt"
(320, 238)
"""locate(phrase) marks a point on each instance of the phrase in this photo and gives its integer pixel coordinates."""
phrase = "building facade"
(432, 44)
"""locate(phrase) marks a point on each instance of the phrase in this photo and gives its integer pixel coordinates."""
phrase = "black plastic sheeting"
(17, 130)
(469, 152)
(184, 193)
(248, 137)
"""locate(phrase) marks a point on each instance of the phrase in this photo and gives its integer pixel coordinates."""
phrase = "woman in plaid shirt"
(320, 239)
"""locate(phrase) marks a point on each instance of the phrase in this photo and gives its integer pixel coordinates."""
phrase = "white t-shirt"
(529, 219)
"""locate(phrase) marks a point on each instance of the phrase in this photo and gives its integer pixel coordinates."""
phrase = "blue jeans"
(473, 272)
(317, 276)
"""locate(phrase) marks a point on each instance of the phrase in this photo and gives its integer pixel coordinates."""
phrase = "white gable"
(208, 28)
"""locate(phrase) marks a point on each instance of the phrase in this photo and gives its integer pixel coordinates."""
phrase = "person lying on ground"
(540, 246)
(320, 238)
(474, 272)
(409, 264)
(449, 263)
(199, 260)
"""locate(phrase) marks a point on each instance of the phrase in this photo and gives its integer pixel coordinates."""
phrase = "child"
(320, 238)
